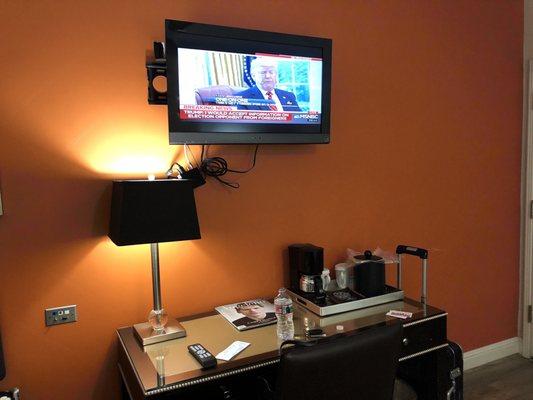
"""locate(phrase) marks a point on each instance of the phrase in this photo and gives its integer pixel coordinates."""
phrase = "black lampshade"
(144, 211)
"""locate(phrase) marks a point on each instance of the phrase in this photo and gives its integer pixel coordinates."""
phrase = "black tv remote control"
(202, 355)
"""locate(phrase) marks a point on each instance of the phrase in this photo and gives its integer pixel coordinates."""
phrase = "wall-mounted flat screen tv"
(230, 85)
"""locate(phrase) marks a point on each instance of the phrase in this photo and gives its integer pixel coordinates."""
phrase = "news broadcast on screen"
(259, 88)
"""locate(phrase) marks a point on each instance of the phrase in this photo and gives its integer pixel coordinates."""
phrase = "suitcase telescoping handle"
(414, 251)
(423, 255)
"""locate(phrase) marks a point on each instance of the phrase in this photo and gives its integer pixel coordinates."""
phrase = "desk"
(166, 370)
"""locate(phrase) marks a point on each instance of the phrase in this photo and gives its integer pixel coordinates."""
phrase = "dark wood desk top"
(168, 365)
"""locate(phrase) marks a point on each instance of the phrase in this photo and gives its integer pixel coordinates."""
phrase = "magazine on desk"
(249, 314)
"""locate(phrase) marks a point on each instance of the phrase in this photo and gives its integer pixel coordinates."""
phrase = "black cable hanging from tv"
(216, 167)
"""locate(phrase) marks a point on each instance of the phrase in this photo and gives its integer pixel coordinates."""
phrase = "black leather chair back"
(360, 366)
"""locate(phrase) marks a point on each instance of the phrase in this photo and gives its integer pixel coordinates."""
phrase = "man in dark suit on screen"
(264, 95)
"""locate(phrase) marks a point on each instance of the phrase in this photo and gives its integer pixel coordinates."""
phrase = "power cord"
(216, 167)
(172, 170)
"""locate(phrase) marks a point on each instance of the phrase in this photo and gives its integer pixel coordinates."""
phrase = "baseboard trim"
(492, 352)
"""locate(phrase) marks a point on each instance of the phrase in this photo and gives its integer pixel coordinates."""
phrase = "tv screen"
(229, 85)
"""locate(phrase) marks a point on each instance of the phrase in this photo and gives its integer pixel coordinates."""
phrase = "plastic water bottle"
(283, 303)
(326, 279)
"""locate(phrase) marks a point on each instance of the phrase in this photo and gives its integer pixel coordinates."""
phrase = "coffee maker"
(306, 263)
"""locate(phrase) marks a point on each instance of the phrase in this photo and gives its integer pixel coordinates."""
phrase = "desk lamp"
(154, 211)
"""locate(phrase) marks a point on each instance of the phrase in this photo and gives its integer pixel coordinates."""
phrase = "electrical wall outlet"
(60, 315)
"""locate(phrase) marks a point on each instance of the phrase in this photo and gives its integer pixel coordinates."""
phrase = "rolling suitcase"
(452, 364)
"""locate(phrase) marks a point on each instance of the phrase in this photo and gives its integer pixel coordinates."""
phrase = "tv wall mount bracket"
(156, 70)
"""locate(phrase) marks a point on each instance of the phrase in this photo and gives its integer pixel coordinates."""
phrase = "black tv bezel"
(222, 38)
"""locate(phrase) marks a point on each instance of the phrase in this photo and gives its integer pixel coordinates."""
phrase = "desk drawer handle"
(405, 341)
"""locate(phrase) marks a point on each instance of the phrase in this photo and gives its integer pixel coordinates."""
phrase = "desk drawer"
(423, 335)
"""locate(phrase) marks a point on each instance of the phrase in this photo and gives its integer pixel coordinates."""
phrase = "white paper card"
(231, 351)
(399, 314)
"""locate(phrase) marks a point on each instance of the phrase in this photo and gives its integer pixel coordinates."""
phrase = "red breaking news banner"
(200, 112)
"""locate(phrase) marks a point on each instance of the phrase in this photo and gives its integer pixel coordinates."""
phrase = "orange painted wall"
(426, 144)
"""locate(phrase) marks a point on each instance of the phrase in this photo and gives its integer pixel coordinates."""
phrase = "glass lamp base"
(158, 319)
(146, 335)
